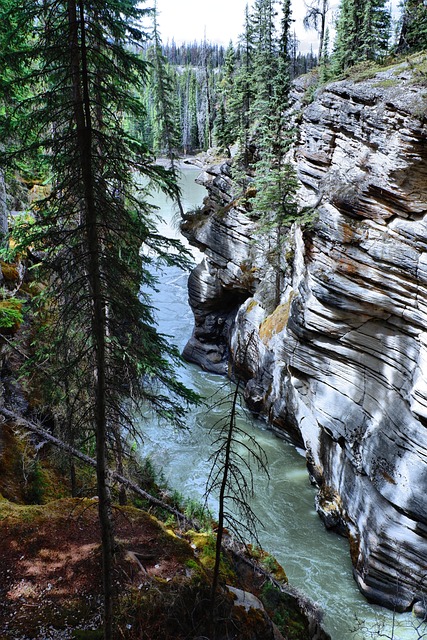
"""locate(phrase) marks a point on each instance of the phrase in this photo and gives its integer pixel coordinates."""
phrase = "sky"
(187, 20)
(222, 20)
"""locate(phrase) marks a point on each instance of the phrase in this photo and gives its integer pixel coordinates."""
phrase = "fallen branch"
(38, 430)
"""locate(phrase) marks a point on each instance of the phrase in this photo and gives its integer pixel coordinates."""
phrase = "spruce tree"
(163, 91)
(208, 98)
(347, 35)
(226, 124)
(265, 58)
(81, 79)
(363, 31)
(324, 62)
(245, 92)
(275, 179)
(413, 31)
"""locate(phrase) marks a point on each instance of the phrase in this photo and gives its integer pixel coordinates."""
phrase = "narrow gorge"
(339, 365)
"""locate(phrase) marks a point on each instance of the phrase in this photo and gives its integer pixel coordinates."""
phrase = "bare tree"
(231, 476)
(315, 18)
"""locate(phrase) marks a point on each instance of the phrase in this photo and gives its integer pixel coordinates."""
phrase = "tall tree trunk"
(81, 103)
(3, 208)
(322, 28)
(119, 455)
(208, 97)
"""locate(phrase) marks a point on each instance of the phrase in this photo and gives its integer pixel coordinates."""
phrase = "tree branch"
(38, 430)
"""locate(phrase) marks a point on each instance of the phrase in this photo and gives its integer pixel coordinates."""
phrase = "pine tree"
(413, 31)
(244, 93)
(223, 132)
(325, 71)
(375, 33)
(209, 119)
(226, 126)
(346, 35)
(265, 58)
(164, 91)
(275, 179)
(363, 31)
(189, 128)
(80, 83)
(231, 479)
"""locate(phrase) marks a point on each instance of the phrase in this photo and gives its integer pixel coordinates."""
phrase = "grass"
(387, 84)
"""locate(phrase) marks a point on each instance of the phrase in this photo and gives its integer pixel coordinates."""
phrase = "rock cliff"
(340, 365)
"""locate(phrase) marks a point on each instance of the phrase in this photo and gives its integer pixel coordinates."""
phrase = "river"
(315, 560)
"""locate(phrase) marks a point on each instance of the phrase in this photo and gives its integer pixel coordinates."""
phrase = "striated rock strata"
(340, 365)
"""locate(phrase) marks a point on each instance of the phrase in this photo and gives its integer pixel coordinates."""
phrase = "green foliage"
(35, 483)
(212, 91)
(274, 177)
(284, 612)
(363, 33)
(11, 313)
(196, 510)
(325, 72)
(270, 563)
(413, 33)
(68, 94)
(140, 353)
(165, 115)
(225, 122)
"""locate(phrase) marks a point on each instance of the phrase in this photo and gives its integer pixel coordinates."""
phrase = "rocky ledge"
(340, 364)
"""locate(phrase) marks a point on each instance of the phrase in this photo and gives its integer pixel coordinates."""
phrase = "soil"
(50, 570)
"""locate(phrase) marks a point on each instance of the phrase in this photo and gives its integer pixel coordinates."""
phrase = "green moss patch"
(10, 272)
(11, 315)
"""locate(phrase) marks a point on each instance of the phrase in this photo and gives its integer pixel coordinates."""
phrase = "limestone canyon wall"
(340, 365)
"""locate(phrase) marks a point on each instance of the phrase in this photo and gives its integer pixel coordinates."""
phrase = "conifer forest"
(97, 115)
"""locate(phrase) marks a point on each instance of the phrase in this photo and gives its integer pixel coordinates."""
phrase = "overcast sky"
(187, 20)
(222, 20)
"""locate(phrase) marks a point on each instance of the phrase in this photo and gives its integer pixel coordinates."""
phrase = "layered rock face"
(340, 365)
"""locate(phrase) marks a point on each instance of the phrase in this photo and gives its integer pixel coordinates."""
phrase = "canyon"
(339, 363)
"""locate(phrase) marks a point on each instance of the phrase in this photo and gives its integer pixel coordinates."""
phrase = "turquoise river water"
(315, 560)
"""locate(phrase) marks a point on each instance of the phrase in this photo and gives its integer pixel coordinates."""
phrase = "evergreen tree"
(345, 36)
(189, 91)
(265, 58)
(275, 179)
(208, 95)
(80, 82)
(375, 33)
(225, 125)
(363, 31)
(325, 71)
(245, 91)
(163, 90)
(231, 478)
(413, 31)
(223, 131)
